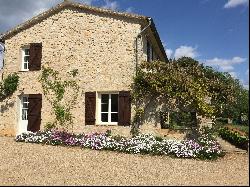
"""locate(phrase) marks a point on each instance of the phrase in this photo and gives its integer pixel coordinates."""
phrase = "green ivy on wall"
(9, 85)
(54, 89)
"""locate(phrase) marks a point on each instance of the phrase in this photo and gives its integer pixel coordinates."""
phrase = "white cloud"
(225, 64)
(15, 12)
(235, 3)
(43, 5)
(113, 5)
(40, 10)
(88, 2)
(164, 44)
(247, 72)
(246, 86)
(169, 52)
(233, 74)
(129, 9)
(181, 51)
(246, 82)
(187, 51)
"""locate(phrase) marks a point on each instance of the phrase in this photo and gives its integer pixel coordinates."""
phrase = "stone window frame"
(98, 108)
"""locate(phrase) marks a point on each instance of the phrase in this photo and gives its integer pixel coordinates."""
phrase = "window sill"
(23, 71)
(107, 124)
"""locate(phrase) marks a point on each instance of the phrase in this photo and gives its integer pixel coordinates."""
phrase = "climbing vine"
(62, 95)
(183, 84)
(9, 85)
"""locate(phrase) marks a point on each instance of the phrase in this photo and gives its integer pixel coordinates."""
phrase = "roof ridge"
(62, 5)
(67, 3)
(101, 9)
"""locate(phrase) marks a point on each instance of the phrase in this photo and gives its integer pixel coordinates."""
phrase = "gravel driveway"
(34, 164)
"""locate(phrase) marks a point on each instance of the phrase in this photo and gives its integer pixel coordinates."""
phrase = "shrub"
(9, 85)
(221, 121)
(234, 137)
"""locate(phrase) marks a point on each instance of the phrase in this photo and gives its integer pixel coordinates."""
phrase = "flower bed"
(234, 137)
(204, 147)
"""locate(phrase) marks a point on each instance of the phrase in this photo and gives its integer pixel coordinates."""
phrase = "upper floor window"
(25, 58)
(150, 52)
(31, 57)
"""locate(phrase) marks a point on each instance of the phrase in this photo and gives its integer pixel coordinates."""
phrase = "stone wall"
(101, 47)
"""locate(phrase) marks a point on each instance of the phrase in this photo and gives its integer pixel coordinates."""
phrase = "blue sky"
(215, 32)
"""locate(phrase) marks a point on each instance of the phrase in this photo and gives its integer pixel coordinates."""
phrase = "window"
(150, 52)
(108, 108)
(24, 108)
(25, 59)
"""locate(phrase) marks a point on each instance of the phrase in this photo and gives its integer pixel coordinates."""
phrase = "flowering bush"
(204, 147)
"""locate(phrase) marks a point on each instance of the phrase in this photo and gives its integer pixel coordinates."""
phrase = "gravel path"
(34, 164)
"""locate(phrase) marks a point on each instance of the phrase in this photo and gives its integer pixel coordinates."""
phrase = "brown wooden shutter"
(124, 111)
(34, 112)
(90, 107)
(35, 56)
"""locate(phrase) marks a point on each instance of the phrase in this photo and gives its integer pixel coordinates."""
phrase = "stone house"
(104, 46)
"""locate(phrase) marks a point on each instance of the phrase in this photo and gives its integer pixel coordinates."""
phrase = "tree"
(186, 84)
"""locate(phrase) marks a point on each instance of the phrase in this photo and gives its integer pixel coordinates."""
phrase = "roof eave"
(157, 37)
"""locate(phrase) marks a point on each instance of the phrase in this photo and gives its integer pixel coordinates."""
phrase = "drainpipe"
(136, 61)
(136, 44)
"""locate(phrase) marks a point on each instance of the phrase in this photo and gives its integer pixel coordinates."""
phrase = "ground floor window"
(24, 107)
(108, 108)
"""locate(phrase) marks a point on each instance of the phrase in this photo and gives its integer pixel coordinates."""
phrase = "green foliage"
(221, 121)
(118, 137)
(164, 120)
(108, 132)
(158, 138)
(137, 121)
(74, 72)
(243, 128)
(234, 137)
(188, 85)
(230, 98)
(210, 132)
(49, 126)
(54, 89)
(9, 85)
(63, 114)
(181, 118)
